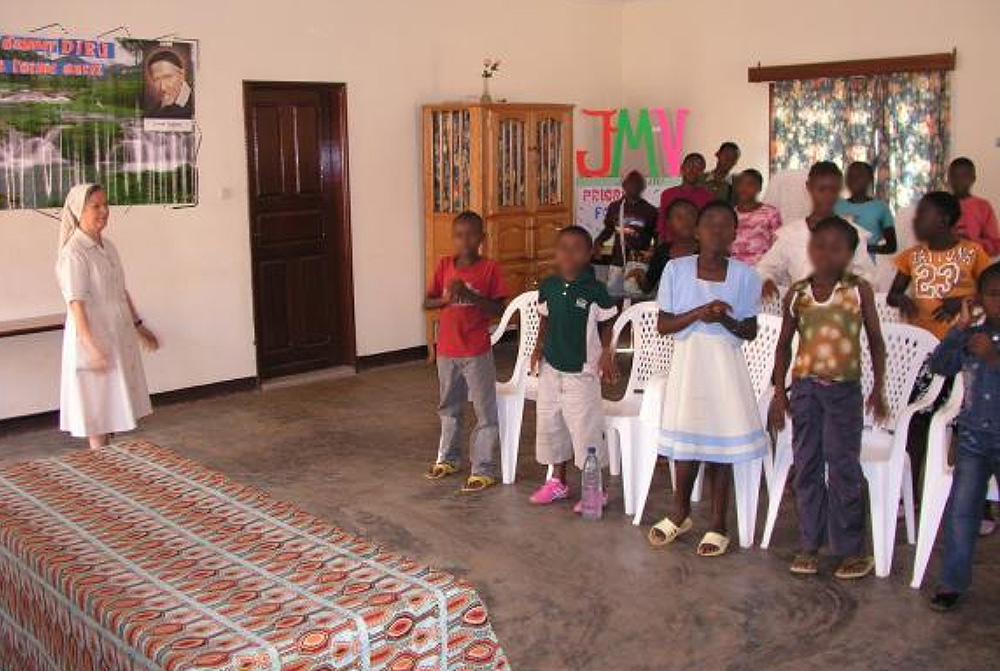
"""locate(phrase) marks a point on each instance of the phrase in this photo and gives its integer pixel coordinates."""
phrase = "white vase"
(486, 98)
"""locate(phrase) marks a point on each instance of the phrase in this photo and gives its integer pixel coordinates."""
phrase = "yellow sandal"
(477, 483)
(441, 469)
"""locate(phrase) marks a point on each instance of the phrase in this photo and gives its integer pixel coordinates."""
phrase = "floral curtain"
(898, 123)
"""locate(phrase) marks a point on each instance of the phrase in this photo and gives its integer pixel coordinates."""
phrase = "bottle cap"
(591, 450)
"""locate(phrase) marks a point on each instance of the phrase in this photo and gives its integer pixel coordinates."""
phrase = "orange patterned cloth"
(829, 331)
(132, 558)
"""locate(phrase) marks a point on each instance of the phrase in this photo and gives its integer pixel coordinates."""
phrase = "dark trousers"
(977, 461)
(827, 421)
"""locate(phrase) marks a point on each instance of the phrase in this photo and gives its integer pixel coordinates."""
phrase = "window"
(891, 112)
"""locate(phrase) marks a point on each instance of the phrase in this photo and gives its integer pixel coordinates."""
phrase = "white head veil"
(72, 209)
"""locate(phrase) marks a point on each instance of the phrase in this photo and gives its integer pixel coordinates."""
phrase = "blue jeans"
(978, 460)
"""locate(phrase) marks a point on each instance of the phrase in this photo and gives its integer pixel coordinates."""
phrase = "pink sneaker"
(578, 508)
(553, 490)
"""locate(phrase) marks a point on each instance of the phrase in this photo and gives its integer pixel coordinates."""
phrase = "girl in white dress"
(103, 387)
(709, 303)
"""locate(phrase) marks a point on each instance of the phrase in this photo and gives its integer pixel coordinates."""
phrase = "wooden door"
(299, 226)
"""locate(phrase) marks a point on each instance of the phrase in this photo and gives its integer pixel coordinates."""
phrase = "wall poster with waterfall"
(117, 112)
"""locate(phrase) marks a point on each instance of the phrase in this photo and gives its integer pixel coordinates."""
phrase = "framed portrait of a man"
(168, 86)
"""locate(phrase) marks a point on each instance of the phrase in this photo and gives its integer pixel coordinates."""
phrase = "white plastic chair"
(938, 475)
(512, 393)
(884, 460)
(747, 475)
(651, 355)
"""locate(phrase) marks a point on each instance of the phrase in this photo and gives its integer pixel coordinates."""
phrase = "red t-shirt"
(464, 329)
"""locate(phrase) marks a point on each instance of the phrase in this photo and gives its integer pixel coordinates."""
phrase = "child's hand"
(608, 367)
(877, 406)
(948, 309)
(776, 412)
(714, 311)
(965, 317)
(536, 358)
(981, 346)
(769, 290)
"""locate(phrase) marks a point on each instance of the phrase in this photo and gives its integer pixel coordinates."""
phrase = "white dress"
(96, 402)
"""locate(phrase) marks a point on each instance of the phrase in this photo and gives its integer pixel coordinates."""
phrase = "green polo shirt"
(573, 310)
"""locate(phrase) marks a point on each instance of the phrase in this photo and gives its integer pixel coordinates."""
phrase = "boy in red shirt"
(469, 289)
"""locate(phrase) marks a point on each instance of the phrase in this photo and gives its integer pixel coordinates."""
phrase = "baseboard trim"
(392, 357)
(44, 420)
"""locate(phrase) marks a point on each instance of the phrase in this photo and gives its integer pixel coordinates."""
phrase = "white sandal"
(665, 532)
(713, 538)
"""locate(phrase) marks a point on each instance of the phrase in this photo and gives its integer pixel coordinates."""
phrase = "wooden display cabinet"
(511, 163)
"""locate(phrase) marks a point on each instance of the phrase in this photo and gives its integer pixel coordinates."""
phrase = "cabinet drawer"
(546, 230)
(518, 278)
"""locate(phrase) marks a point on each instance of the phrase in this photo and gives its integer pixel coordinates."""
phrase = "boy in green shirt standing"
(573, 354)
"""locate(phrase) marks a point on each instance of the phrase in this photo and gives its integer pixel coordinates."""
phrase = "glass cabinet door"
(508, 161)
(551, 157)
(451, 160)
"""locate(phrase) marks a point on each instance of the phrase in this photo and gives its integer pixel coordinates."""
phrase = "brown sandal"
(805, 564)
(854, 568)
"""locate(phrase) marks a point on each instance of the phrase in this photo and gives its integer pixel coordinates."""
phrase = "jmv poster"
(118, 112)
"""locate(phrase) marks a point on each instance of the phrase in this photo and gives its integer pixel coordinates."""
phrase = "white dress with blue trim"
(709, 411)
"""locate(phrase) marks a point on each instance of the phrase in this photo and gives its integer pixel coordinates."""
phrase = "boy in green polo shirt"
(572, 355)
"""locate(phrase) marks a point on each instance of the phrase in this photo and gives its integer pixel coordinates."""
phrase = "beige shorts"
(570, 415)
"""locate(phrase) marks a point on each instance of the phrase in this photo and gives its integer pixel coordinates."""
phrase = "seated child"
(942, 268)
(718, 180)
(573, 354)
(469, 289)
(979, 221)
(634, 214)
(690, 188)
(682, 218)
(828, 309)
(867, 212)
(788, 259)
(709, 410)
(757, 223)
(972, 348)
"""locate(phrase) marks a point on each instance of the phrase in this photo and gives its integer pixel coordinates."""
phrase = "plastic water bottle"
(592, 490)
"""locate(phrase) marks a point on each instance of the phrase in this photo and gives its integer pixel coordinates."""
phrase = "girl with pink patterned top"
(758, 222)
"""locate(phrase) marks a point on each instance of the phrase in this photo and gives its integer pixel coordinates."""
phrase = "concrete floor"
(564, 595)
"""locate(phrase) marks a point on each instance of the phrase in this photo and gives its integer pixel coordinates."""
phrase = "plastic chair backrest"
(651, 351)
(759, 352)
(907, 348)
(525, 307)
(886, 313)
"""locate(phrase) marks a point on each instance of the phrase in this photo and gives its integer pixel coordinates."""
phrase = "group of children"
(715, 259)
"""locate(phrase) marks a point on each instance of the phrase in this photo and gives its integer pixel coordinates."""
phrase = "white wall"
(189, 269)
(697, 54)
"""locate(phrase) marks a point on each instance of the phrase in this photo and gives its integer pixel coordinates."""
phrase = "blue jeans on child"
(978, 460)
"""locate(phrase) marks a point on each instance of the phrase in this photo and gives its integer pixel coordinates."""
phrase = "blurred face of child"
(830, 252)
(633, 186)
(683, 221)
(989, 299)
(726, 159)
(716, 231)
(929, 222)
(572, 255)
(824, 191)
(692, 169)
(961, 178)
(467, 237)
(747, 189)
(859, 181)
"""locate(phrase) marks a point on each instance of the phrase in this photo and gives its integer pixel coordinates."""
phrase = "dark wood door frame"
(335, 178)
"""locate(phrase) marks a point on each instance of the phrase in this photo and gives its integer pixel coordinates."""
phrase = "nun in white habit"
(103, 389)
